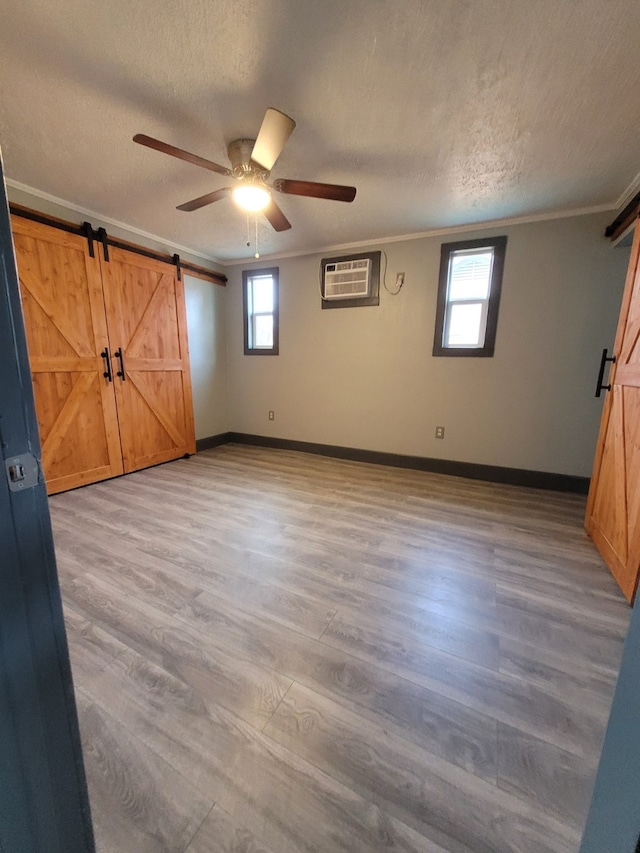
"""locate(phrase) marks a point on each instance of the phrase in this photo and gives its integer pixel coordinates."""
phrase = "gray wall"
(365, 377)
(207, 353)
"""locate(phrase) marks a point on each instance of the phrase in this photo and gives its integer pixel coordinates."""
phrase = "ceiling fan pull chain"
(248, 232)
(257, 250)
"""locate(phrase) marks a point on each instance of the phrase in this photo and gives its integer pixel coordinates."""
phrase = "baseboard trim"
(471, 470)
(212, 441)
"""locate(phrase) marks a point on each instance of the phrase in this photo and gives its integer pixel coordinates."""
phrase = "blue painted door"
(613, 822)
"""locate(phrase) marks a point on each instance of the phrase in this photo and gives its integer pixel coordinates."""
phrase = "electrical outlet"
(272, 415)
(439, 432)
(399, 280)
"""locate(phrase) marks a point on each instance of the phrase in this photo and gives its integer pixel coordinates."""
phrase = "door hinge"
(22, 472)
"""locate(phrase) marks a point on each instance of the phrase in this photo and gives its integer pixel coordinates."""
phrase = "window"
(260, 302)
(468, 297)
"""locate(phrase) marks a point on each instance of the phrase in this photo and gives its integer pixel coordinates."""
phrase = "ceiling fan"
(251, 163)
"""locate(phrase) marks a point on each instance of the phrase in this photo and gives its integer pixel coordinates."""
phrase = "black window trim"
(499, 245)
(255, 273)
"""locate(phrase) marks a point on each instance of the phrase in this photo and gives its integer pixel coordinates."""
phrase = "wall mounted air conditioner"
(345, 279)
(350, 280)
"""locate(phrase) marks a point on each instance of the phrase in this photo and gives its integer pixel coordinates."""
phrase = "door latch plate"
(22, 472)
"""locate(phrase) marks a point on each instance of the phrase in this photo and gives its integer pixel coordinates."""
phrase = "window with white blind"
(260, 304)
(468, 297)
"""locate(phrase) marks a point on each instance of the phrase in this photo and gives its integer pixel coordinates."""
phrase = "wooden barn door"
(613, 508)
(66, 327)
(144, 302)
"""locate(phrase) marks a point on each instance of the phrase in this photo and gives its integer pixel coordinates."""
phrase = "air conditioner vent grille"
(347, 279)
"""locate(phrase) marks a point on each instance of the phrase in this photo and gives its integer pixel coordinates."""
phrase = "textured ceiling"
(441, 112)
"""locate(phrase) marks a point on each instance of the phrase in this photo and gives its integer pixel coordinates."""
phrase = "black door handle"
(107, 374)
(118, 354)
(603, 363)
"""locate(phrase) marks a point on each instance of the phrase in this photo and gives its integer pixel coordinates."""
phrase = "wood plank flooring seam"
(277, 706)
(202, 822)
(328, 625)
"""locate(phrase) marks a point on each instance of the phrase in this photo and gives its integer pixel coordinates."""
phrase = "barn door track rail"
(100, 235)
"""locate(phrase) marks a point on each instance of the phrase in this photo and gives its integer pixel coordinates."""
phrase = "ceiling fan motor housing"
(239, 153)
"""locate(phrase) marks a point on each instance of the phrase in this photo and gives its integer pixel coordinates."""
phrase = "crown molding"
(631, 190)
(434, 232)
(629, 193)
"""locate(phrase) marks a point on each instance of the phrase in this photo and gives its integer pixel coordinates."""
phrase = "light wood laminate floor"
(277, 652)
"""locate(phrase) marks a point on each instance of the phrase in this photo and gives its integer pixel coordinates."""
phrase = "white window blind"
(468, 291)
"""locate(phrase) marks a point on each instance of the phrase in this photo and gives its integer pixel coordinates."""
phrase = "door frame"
(613, 821)
(44, 807)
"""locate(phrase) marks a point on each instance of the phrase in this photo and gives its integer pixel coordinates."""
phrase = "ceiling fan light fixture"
(252, 161)
(251, 197)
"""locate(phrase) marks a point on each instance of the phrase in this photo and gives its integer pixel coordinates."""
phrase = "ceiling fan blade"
(204, 200)
(276, 217)
(274, 131)
(165, 148)
(333, 192)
